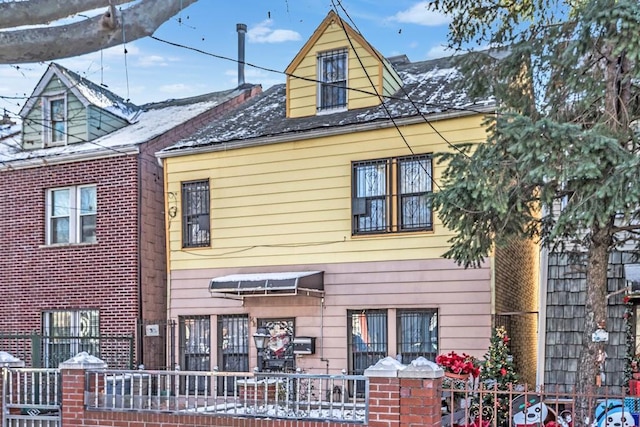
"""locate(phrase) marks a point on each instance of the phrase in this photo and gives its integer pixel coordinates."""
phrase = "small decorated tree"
(497, 373)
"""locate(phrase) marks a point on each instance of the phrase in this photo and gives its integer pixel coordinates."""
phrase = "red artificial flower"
(505, 339)
(626, 299)
(503, 372)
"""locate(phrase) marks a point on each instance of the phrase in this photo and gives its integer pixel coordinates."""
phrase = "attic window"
(332, 80)
(55, 120)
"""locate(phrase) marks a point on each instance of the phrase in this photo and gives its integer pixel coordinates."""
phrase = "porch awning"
(309, 283)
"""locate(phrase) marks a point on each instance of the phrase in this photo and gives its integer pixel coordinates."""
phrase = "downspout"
(139, 335)
(322, 359)
(542, 317)
(170, 344)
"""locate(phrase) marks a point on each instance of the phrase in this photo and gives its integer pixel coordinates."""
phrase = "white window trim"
(47, 130)
(319, 59)
(74, 215)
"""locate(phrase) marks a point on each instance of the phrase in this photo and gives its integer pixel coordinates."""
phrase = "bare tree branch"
(38, 12)
(45, 44)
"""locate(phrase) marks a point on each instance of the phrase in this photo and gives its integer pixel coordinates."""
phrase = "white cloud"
(439, 51)
(152, 61)
(175, 88)
(420, 14)
(263, 33)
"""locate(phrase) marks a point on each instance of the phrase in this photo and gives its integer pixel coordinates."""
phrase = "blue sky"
(277, 29)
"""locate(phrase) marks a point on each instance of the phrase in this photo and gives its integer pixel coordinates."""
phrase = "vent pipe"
(242, 30)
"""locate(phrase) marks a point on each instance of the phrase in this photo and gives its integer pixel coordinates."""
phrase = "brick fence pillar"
(72, 374)
(405, 395)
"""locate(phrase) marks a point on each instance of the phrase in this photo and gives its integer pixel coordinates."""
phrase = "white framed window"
(71, 215)
(54, 121)
(332, 80)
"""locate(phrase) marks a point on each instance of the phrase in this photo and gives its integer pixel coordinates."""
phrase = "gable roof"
(86, 91)
(153, 120)
(326, 22)
(430, 88)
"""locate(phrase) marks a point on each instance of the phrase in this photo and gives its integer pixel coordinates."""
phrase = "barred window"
(195, 214)
(332, 77)
(417, 334)
(391, 195)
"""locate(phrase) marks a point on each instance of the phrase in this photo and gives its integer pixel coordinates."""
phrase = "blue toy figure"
(613, 413)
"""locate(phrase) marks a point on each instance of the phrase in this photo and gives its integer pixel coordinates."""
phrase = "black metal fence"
(45, 351)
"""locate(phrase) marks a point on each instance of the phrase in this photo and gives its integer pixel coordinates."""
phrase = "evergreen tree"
(561, 165)
(497, 373)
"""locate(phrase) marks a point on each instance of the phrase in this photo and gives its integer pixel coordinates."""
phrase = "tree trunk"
(89, 35)
(595, 312)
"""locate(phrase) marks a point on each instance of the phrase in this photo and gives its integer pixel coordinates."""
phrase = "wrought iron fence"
(472, 403)
(289, 396)
(47, 351)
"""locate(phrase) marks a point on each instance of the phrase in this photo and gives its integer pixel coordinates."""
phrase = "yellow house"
(303, 217)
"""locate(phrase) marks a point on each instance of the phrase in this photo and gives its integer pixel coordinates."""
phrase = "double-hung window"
(195, 214)
(332, 80)
(391, 195)
(55, 120)
(71, 215)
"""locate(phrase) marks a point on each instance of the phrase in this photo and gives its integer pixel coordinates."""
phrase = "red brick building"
(82, 224)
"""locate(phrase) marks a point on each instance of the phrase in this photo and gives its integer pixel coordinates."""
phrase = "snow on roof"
(154, 120)
(100, 96)
(430, 87)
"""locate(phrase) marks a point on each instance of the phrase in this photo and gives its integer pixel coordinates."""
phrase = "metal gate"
(31, 397)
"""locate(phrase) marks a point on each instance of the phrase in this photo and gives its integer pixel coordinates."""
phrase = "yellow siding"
(270, 201)
(302, 93)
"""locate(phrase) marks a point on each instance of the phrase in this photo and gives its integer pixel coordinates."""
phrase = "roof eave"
(97, 154)
(320, 133)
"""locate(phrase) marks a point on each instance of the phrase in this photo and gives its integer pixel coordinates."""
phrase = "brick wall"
(35, 277)
(516, 298)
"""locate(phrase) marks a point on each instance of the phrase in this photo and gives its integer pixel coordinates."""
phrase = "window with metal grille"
(332, 78)
(69, 332)
(367, 338)
(233, 348)
(195, 214)
(417, 334)
(390, 195)
(195, 347)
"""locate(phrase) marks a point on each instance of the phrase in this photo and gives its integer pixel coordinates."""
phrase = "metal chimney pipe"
(242, 30)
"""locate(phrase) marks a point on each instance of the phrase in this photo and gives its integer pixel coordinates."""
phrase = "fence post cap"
(8, 360)
(387, 368)
(83, 360)
(422, 368)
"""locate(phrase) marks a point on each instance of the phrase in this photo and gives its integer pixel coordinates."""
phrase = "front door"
(233, 348)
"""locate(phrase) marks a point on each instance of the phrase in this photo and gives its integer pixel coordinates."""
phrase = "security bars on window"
(195, 214)
(332, 76)
(391, 195)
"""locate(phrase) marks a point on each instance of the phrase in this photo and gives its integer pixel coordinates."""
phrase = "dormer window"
(55, 120)
(332, 80)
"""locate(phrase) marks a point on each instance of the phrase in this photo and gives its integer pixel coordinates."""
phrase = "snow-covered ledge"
(7, 360)
(422, 368)
(387, 368)
(83, 361)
